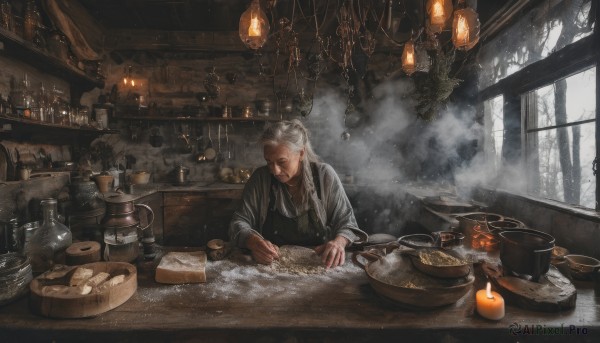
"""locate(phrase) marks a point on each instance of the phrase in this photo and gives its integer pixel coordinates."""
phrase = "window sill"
(581, 212)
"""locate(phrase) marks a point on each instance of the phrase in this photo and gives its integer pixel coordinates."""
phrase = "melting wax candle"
(490, 304)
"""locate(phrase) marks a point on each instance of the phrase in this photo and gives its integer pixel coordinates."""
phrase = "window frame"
(570, 60)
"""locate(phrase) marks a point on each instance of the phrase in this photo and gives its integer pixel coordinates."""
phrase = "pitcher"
(121, 224)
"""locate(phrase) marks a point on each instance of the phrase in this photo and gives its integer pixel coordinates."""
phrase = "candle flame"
(437, 13)
(132, 83)
(462, 30)
(488, 291)
(254, 28)
(410, 58)
(125, 81)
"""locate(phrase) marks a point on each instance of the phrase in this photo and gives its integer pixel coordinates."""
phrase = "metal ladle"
(219, 154)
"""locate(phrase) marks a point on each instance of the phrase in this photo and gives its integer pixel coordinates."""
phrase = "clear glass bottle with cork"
(48, 244)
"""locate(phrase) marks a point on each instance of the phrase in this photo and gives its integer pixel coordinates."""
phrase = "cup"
(217, 249)
(104, 183)
(24, 173)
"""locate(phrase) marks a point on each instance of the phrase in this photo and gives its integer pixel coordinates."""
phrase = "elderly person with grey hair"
(294, 199)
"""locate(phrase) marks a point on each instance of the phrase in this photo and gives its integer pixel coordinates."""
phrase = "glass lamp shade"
(254, 26)
(465, 28)
(439, 12)
(409, 58)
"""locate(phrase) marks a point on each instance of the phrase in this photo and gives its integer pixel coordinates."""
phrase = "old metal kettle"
(181, 173)
(121, 224)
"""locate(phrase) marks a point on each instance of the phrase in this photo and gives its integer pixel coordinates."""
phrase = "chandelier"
(347, 33)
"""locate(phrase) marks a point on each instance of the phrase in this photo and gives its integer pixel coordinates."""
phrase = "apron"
(302, 230)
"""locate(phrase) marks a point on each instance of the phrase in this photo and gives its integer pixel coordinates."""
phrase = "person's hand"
(263, 251)
(333, 253)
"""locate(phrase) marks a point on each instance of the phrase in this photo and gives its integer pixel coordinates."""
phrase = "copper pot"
(124, 214)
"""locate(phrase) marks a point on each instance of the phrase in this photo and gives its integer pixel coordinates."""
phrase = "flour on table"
(298, 260)
(239, 278)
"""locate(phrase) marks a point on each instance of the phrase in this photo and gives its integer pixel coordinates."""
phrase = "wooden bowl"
(81, 306)
(139, 177)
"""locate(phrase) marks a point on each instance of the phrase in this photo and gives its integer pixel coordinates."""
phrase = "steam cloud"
(393, 149)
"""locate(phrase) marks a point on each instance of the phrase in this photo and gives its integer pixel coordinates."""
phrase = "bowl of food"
(582, 267)
(139, 177)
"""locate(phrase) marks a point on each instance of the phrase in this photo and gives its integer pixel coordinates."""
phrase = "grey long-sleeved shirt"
(333, 208)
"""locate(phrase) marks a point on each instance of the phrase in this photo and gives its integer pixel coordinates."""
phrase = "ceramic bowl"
(582, 267)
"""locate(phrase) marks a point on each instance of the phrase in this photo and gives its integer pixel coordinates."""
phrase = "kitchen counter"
(241, 301)
(141, 191)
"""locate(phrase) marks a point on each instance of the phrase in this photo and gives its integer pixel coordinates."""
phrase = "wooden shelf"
(29, 130)
(25, 51)
(199, 119)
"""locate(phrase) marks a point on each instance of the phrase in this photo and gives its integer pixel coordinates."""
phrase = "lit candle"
(437, 13)
(462, 30)
(490, 304)
(254, 29)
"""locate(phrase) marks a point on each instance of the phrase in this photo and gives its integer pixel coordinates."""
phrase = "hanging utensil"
(219, 157)
(199, 150)
(209, 152)
(228, 155)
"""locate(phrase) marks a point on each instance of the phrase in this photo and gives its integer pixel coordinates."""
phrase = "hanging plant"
(104, 153)
(434, 88)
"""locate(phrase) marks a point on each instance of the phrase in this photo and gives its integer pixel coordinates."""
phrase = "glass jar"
(48, 244)
(6, 16)
(30, 21)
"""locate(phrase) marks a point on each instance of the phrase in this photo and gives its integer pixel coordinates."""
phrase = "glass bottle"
(28, 102)
(48, 244)
(6, 16)
(30, 21)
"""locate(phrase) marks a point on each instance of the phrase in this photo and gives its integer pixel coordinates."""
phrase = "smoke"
(392, 149)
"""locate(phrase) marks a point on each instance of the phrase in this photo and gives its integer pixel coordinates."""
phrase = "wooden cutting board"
(81, 306)
(553, 292)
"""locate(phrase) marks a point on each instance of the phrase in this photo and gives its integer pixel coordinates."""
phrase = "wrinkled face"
(283, 163)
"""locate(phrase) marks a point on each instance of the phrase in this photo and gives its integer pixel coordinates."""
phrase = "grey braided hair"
(294, 135)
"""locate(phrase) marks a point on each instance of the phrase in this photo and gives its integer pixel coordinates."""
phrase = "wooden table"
(246, 303)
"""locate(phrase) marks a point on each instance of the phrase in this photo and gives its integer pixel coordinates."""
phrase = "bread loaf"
(80, 275)
(117, 280)
(92, 282)
(182, 267)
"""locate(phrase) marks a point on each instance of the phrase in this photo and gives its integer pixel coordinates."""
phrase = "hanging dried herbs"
(434, 88)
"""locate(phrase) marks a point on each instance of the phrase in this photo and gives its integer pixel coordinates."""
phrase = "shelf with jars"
(226, 113)
(28, 52)
(199, 119)
(21, 129)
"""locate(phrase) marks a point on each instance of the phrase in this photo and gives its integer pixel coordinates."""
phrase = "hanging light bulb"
(127, 78)
(465, 28)
(254, 26)
(408, 57)
(439, 12)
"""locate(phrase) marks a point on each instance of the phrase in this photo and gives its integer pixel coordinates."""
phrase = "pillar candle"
(490, 304)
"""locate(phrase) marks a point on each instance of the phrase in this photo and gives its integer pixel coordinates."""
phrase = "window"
(560, 139)
(547, 28)
(494, 131)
